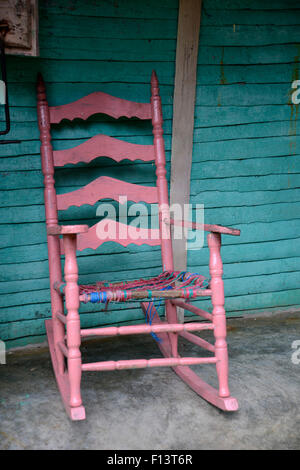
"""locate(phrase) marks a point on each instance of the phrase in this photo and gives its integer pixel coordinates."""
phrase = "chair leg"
(63, 382)
(56, 299)
(221, 353)
(219, 318)
(73, 320)
(74, 357)
(68, 380)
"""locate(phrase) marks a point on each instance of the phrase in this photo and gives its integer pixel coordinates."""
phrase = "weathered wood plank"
(132, 28)
(130, 9)
(207, 95)
(240, 166)
(183, 115)
(250, 15)
(254, 5)
(241, 35)
(22, 93)
(160, 50)
(243, 94)
(139, 72)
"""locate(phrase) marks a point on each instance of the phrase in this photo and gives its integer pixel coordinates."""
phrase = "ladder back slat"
(103, 146)
(111, 231)
(105, 187)
(99, 102)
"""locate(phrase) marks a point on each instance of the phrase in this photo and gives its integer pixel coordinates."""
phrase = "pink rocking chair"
(64, 331)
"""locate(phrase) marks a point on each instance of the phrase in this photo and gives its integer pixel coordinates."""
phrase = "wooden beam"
(183, 114)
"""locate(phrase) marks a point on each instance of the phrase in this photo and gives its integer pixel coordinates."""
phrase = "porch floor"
(153, 408)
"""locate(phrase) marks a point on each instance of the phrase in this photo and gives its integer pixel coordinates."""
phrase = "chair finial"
(154, 79)
(154, 84)
(40, 82)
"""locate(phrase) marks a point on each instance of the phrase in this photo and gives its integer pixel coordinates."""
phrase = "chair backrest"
(102, 145)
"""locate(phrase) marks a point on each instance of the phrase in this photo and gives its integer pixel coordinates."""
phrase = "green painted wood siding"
(246, 148)
(245, 163)
(85, 46)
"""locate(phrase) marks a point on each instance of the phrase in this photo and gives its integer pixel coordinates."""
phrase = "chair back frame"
(50, 115)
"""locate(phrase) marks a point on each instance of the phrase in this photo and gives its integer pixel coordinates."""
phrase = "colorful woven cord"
(152, 309)
(103, 292)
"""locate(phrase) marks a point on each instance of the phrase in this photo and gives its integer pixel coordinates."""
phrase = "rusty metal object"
(4, 28)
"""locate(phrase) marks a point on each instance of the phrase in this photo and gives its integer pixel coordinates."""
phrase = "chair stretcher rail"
(143, 363)
(143, 329)
(192, 308)
(63, 348)
(62, 318)
(198, 341)
(144, 294)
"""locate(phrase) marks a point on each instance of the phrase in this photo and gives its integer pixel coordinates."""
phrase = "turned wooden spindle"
(73, 319)
(51, 216)
(163, 199)
(162, 185)
(219, 318)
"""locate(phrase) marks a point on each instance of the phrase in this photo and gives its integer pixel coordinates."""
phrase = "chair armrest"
(67, 229)
(205, 227)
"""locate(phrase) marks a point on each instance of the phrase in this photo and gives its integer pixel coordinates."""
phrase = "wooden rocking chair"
(64, 332)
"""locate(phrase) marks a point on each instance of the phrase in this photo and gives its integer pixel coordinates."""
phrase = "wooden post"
(183, 115)
(51, 218)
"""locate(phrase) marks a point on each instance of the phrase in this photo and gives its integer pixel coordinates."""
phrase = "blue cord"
(150, 315)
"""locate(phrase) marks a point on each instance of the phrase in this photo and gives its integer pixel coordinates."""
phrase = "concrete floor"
(153, 408)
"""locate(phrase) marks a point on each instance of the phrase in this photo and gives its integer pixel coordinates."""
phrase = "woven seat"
(174, 284)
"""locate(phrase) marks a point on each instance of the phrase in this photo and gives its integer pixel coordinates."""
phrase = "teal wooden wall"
(245, 162)
(246, 148)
